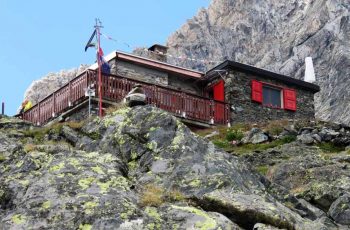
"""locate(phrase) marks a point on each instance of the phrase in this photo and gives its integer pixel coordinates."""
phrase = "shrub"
(152, 196)
(234, 134)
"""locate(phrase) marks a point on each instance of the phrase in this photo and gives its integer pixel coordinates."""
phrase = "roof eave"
(265, 73)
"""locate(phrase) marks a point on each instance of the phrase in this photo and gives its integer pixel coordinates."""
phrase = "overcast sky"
(38, 36)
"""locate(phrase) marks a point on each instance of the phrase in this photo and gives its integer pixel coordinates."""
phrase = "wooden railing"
(115, 88)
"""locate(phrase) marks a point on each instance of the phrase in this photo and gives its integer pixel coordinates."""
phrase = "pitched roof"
(264, 73)
(151, 64)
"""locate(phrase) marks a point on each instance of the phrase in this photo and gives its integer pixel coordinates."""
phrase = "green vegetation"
(39, 133)
(329, 147)
(263, 169)
(234, 134)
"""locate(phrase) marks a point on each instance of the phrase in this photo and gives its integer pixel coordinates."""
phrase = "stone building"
(229, 93)
(256, 94)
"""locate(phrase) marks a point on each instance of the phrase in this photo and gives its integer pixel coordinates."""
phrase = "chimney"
(309, 70)
(158, 52)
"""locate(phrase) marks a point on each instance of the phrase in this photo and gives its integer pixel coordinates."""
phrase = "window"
(272, 97)
(275, 97)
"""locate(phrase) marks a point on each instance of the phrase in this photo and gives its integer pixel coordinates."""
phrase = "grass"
(328, 147)
(246, 148)
(155, 196)
(112, 109)
(263, 169)
(29, 148)
(152, 196)
(39, 133)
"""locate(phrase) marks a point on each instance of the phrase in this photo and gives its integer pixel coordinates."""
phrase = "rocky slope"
(43, 87)
(276, 35)
(141, 168)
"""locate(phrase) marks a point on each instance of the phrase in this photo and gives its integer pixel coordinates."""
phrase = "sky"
(40, 36)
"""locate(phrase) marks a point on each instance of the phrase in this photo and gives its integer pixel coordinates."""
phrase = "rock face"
(137, 168)
(43, 87)
(278, 36)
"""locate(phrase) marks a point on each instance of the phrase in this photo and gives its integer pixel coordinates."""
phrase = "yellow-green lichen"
(208, 223)
(85, 227)
(57, 167)
(46, 204)
(129, 209)
(86, 182)
(195, 183)
(132, 165)
(89, 206)
(114, 182)
(152, 212)
(97, 169)
(24, 182)
(18, 219)
(152, 145)
(19, 164)
(74, 162)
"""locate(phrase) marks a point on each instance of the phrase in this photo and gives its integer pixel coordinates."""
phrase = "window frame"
(272, 86)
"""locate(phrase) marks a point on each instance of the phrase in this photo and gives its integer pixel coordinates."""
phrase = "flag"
(90, 43)
(105, 68)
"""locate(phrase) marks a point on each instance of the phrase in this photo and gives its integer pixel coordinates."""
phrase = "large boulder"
(340, 210)
(138, 168)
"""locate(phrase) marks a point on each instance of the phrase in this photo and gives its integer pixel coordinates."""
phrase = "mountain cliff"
(278, 36)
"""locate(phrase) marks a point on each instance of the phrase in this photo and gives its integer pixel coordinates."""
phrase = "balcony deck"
(115, 88)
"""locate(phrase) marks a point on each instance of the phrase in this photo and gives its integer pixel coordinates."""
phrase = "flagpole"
(98, 26)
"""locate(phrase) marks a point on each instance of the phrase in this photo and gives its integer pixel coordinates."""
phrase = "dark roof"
(264, 73)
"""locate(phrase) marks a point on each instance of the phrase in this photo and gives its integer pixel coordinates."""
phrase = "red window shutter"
(257, 91)
(290, 99)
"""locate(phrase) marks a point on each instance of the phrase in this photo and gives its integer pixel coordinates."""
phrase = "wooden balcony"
(115, 88)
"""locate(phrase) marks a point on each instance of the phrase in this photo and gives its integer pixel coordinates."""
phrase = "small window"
(272, 97)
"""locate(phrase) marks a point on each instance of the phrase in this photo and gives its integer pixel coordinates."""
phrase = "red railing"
(115, 88)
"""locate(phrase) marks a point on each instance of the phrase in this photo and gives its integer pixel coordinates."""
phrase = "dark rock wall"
(238, 93)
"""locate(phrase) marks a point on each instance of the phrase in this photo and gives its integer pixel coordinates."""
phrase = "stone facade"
(170, 80)
(139, 72)
(238, 94)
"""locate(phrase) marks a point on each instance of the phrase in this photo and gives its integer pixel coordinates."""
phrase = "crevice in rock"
(245, 219)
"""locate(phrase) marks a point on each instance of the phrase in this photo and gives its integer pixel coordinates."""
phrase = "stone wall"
(138, 72)
(185, 84)
(145, 74)
(238, 93)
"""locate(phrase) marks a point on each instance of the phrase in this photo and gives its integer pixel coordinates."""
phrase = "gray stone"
(340, 210)
(306, 139)
(317, 138)
(255, 136)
